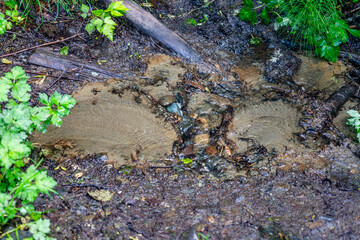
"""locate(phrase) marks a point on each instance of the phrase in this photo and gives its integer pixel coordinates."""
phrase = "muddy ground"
(259, 170)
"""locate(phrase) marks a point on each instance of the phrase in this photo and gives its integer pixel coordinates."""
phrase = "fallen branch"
(51, 75)
(326, 112)
(151, 26)
(42, 45)
(46, 58)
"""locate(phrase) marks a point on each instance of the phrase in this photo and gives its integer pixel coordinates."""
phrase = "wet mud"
(253, 173)
(270, 124)
(107, 119)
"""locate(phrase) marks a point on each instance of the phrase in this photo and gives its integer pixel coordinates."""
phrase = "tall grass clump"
(45, 6)
(317, 24)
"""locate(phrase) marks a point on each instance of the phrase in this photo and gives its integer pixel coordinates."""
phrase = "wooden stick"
(51, 75)
(57, 79)
(42, 45)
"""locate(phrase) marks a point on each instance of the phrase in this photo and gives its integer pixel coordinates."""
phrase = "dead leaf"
(211, 219)
(313, 225)
(42, 78)
(79, 175)
(147, 5)
(6, 61)
(211, 150)
(101, 195)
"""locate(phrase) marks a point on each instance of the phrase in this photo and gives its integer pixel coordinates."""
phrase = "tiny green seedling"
(255, 40)
(64, 50)
(126, 169)
(203, 237)
(186, 161)
(192, 21)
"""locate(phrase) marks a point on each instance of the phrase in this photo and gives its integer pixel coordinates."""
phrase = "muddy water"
(105, 122)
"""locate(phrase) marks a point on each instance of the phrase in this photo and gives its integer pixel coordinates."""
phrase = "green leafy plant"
(102, 19)
(314, 23)
(248, 13)
(354, 121)
(317, 24)
(190, 21)
(21, 183)
(4, 24)
(11, 16)
(45, 6)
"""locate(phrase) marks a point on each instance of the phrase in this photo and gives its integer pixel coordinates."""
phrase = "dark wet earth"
(256, 173)
(169, 204)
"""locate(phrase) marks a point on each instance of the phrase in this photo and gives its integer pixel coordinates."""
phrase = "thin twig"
(194, 10)
(162, 166)
(85, 185)
(17, 34)
(42, 45)
(66, 70)
(276, 88)
(51, 75)
(354, 10)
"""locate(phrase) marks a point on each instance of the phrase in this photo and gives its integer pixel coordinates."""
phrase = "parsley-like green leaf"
(90, 28)
(17, 118)
(5, 86)
(56, 120)
(44, 99)
(117, 9)
(67, 101)
(20, 91)
(6, 207)
(327, 51)
(19, 73)
(40, 228)
(38, 116)
(44, 183)
(98, 12)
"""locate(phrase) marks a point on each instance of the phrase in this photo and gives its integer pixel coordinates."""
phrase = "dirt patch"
(171, 204)
(319, 74)
(108, 120)
(270, 124)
